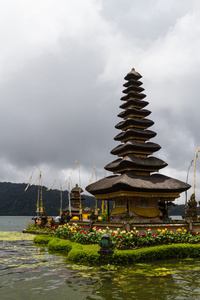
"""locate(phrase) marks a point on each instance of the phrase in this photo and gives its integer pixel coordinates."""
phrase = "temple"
(136, 185)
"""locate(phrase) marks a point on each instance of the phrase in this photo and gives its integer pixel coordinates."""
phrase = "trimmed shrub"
(84, 256)
(87, 254)
(155, 253)
(56, 244)
(42, 239)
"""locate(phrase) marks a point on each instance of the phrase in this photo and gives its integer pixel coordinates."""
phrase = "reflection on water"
(29, 272)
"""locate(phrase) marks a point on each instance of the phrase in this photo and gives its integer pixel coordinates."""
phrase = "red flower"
(152, 234)
(117, 243)
(140, 234)
(113, 234)
(168, 225)
(84, 225)
(119, 237)
(146, 228)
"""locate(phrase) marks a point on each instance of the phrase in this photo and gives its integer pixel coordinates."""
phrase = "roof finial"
(133, 69)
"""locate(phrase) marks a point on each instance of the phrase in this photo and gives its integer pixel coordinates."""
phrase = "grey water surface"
(31, 272)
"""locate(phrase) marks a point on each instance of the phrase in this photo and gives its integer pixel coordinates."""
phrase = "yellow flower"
(134, 228)
(163, 230)
(107, 227)
(171, 232)
(136, 231)
(185, 230)
(159, 230)
(179, 230)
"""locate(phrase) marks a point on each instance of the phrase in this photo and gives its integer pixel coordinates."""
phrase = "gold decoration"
(118, 210)
(148, 212)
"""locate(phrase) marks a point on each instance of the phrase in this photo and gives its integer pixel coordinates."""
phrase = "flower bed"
(123, 240)
(127, 240)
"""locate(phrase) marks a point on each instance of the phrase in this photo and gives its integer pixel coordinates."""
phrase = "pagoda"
(136, 186)
(76, 202)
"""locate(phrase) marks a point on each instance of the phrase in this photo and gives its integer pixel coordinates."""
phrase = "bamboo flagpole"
(195, 160)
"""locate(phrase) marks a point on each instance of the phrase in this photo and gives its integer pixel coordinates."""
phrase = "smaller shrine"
(75, 203)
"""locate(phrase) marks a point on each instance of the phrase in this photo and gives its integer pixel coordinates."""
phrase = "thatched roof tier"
(134, 147)
(128, 184)
(78, 197)
(77, 189)
(133, 83)
(137, 134)
(134, 122)
(134, 103)
(134, 112)
(132, 87)
(133, 95)
(132, 163)
(76, 193)
(133, 75)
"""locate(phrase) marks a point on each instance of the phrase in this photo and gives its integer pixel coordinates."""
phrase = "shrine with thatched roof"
(136, 185)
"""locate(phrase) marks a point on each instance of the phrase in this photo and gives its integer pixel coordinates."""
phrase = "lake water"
(14, 223)
(18, 223)
(30, 272)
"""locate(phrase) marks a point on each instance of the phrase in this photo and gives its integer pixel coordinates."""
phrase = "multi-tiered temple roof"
(134, 169)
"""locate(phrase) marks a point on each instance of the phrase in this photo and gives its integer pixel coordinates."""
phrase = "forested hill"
(14, 201)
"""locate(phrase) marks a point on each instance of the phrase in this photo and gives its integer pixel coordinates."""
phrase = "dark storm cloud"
(62, 70)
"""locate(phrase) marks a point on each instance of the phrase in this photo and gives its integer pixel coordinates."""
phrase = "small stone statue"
(191, 210)
(106, 245)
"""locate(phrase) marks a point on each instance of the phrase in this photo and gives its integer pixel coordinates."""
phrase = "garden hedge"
(87, 254)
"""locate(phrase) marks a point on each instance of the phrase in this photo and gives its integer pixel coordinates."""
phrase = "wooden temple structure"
(136, 185)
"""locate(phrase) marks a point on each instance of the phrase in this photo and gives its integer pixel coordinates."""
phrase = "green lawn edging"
(87, 254)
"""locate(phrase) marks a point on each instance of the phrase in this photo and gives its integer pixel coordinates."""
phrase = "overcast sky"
(62, 69)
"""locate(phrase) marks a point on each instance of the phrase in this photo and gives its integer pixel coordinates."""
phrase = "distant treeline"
(14, 201)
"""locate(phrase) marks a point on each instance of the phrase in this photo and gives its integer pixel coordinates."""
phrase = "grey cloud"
(60, 104)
